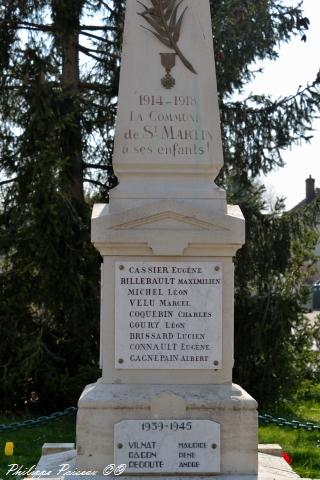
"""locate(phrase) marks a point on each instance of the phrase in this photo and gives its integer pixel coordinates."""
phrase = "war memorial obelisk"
(166, 404)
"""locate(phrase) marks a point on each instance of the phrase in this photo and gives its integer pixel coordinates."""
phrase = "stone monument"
(165, 404)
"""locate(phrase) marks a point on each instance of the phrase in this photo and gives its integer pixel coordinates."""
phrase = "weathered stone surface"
(121, 237)
(168, 138)
(270, 449)
(270, 468)
(201, 228)
(102, 406)
(166, 402)
(50, 448)
(51, 463)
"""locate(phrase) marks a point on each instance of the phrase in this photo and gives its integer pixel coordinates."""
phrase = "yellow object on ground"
(8, 449)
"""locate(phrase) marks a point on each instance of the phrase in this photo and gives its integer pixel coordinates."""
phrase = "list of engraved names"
(168, 315)
(171, 446)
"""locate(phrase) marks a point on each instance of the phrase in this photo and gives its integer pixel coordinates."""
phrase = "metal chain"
(263, 419)
(11, 427)
(282, 422)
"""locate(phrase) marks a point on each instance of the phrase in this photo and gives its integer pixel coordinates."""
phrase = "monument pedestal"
(101, 406)
(178, 254)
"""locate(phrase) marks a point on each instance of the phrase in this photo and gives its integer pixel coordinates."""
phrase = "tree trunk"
(67, 27)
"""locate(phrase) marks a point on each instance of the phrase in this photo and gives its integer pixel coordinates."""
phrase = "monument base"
(101, 406)
(271, 467)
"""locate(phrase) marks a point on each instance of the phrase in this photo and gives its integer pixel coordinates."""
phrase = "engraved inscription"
(168, 446)
(168, 126)
(168, 315)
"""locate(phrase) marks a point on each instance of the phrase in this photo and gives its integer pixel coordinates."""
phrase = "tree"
(59, 69)
(273, 337)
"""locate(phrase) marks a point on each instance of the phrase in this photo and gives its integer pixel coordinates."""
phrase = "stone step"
(271, 467)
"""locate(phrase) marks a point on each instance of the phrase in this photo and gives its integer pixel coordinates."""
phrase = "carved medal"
(166, 22)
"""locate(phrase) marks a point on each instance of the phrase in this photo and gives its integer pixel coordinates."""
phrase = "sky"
(298, 64)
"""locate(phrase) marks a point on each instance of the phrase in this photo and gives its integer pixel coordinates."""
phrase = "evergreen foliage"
(59, 72)
(273, 337)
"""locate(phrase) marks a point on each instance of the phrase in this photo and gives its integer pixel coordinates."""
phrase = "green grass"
(302, 446)
(28, 442)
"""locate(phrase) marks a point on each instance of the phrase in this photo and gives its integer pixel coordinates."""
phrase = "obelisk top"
(168, 138)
